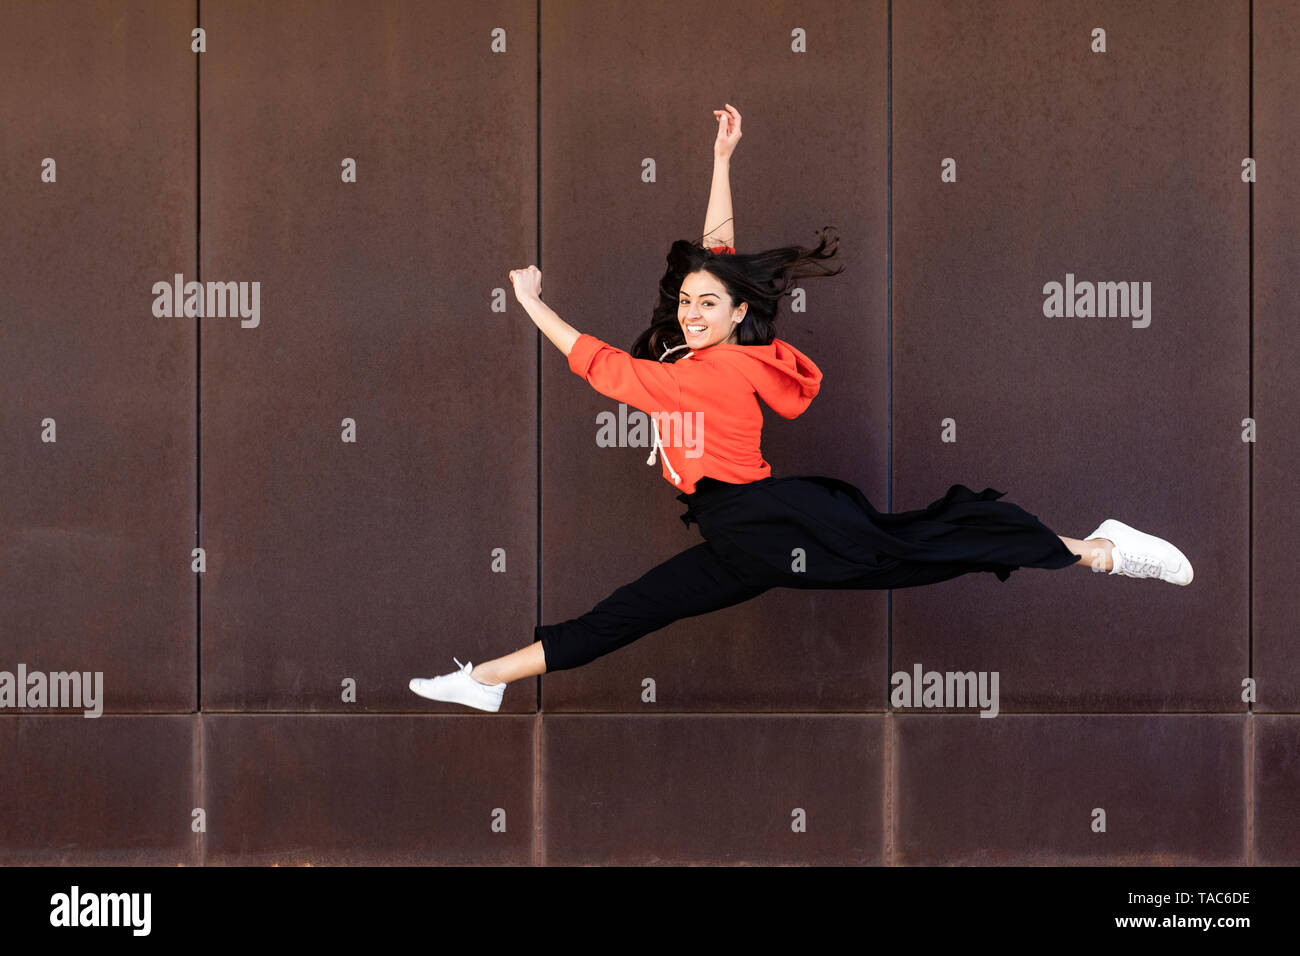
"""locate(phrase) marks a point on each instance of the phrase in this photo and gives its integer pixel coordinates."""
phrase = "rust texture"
(385, 465)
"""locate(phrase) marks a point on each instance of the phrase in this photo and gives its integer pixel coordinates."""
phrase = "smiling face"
(705, 313)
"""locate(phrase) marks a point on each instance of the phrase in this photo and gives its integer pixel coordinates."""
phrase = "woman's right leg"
(1095, 552)
(694, 582)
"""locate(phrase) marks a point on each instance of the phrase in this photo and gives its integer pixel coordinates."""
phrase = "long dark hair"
(759, 278)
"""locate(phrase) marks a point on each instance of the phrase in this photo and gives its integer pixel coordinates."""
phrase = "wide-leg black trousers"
(806, 532)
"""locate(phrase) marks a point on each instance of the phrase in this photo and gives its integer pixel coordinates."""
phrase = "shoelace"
(1146, 564)
(472, 677)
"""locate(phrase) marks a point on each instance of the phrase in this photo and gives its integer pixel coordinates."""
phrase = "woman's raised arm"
(528, 290)
(719, 223)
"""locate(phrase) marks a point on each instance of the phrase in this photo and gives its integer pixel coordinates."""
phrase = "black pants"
(805, 532)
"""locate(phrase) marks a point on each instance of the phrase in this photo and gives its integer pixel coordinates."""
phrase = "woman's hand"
(728, 132)
(527, 283)
(528, 290)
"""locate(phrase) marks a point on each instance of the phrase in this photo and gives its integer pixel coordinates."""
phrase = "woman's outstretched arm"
(642, 383)
(528, 290)
(719, 223)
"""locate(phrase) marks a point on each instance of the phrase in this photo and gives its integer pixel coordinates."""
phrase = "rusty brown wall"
(970, 153)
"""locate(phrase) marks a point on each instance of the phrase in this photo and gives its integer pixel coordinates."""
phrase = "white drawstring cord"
(677, 479)
(658, 444)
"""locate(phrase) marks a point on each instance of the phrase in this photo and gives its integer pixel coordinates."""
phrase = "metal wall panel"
(607, 518)
(719, 789)
(96, 526)
(1120, 166)
(1275, 399)
(1027, 790)
(336, 790)
(368, 560)
(1275, 756)
(112, 791)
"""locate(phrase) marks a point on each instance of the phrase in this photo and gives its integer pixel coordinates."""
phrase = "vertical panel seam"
(1250, 446)
(538, 336)
(889, 320)
(1250, 363)
(539, 857)
(200, 793)
(888, 835)
(198, 386)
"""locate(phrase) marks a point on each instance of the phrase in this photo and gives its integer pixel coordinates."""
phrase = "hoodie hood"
(784, 378)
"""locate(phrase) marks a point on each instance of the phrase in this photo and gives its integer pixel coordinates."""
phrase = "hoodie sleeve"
(642, 383)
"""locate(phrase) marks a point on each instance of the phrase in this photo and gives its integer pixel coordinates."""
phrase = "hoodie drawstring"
(677, 479)
(658, 443)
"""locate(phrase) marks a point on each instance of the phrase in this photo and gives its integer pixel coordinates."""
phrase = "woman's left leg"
(691, 583)
(526, 662)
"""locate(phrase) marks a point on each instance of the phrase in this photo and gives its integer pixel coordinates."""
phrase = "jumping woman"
(709, 355)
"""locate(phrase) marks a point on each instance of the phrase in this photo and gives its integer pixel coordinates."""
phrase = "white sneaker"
(459, 687)
(1139, 555)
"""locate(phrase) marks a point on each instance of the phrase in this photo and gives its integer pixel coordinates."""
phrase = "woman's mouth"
(696, 331)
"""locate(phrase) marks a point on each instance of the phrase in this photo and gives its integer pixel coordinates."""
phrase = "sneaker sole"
(427, 694)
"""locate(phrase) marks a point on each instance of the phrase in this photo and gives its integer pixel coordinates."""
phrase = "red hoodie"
(704, 410)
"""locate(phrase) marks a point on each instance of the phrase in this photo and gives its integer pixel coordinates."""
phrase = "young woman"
(707, 358)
